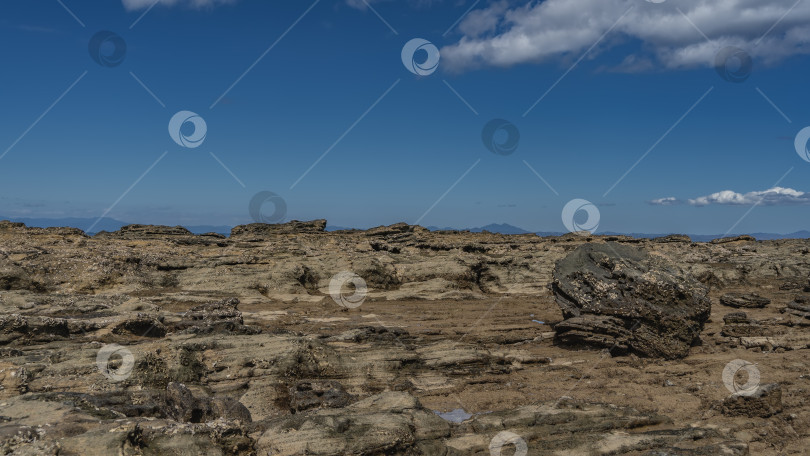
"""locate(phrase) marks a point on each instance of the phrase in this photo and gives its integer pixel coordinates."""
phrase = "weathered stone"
(183, 406)
(293, 227)
(738, 324)
(146, 232)
(764, 402)
(220, 317)
(622, 298)
(307, 395)
(678, 238)
(141, 325)
(744, 300)
(727, 240)
(389, 423)
(23, 330)
(480, 336)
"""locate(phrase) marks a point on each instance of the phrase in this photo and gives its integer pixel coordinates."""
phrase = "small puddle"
(455, 416)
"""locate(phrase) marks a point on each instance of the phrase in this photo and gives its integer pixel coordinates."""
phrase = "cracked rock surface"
(151, 340)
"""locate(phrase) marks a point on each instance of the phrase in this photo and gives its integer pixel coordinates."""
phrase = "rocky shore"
(287, 339)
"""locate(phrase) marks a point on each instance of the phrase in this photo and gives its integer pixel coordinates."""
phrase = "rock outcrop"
(293, 227)
(622, 298)
(152, 340)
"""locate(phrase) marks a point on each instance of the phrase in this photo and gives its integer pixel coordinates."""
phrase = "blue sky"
(618, 79)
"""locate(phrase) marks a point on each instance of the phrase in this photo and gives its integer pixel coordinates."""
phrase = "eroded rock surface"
(744, 300)
(624, 299)
(151, 340)
(764, 401)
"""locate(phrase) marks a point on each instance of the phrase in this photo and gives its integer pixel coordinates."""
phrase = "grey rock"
(744, 300)
(738, 324)
(622, 298)
(183, 406)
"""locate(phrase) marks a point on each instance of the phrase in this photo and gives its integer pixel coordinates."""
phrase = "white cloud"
(502, 36)
(482, 21)
(774, 196)
(131, 5)
(668, 201)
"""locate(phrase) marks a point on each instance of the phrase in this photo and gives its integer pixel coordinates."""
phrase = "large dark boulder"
(624, 299)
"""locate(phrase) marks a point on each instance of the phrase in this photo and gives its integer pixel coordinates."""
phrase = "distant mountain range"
(111, 224)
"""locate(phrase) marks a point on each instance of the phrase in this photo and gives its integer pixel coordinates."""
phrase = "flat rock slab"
(397, 423)
(622, 298)
(744, 300)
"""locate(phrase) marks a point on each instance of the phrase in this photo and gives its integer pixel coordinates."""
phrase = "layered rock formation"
(622, 298)
(151, 340)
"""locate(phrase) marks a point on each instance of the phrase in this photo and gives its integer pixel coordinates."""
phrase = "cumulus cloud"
(668, 201)
(773, 196)
(132, 5)
(503, 34)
